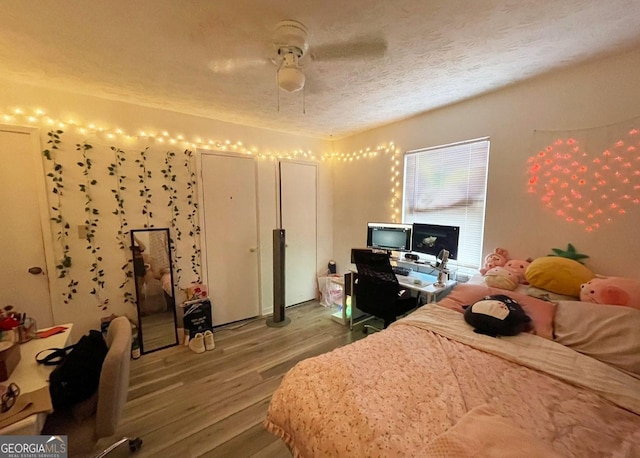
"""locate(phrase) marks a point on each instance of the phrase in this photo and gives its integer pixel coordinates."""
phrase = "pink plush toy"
(519, 267)
(612, 291)
(496, 259)
(500, 277)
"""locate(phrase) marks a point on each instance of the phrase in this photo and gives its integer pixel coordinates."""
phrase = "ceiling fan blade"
(362, 48)
(226, 66)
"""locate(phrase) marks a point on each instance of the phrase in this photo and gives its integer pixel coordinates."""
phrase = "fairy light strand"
(38, 116)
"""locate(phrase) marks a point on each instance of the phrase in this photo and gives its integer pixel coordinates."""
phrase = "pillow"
(545, 295)
(540, 312)
(482, 432)
(497, 315)
(558, 275)
(608, 333)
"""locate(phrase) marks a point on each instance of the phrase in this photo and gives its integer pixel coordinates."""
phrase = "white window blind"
(447, 185)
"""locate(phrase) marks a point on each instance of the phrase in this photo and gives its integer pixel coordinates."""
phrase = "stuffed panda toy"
(497, 315)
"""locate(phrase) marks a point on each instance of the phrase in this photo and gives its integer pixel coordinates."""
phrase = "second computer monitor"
(432, 238)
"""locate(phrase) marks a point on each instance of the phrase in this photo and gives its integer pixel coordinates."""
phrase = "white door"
(298, 212)
(230, 236)
(21, 237)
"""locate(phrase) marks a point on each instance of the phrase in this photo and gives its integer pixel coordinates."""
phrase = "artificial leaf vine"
(145, 191)
(170, 187)
(63, 265)
(192, 216)
(121, 236)
(183, 211)
(91, 224)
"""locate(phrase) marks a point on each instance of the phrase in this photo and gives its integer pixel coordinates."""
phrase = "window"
(447, 185)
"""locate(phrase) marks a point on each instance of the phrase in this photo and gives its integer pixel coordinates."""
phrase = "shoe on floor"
(197, 343)
(209, 344)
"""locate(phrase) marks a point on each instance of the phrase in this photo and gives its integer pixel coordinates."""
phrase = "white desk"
(31, 376)
(422, 283)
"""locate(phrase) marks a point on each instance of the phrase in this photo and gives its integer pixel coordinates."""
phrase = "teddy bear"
(612, 291)
(519, 267)
(498, 258)
(501, 277)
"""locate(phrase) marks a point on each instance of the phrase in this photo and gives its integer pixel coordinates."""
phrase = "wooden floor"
(184, 404)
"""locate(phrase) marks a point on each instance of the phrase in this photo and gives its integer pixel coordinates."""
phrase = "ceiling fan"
(291, 54)
(290, 43)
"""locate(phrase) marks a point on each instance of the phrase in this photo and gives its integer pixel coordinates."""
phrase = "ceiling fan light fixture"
(290, 77)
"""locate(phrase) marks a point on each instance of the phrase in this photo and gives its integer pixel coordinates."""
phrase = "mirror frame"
(143, 350)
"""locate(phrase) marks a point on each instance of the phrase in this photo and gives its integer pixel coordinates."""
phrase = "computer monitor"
(389, 236)
(432, 238)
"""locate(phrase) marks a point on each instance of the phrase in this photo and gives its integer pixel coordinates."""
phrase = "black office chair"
(377, 290)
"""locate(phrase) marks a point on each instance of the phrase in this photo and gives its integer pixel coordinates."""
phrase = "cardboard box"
(9, 359)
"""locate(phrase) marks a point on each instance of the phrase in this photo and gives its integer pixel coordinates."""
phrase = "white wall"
(596, 94)
(132, 119)
(352, 193)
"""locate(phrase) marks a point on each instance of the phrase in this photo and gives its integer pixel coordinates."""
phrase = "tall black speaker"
(278, 319)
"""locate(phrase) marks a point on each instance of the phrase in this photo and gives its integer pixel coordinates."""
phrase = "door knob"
(35, 270)
(253, 249)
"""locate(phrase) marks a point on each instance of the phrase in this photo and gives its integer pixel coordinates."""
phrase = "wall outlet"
(82, 231)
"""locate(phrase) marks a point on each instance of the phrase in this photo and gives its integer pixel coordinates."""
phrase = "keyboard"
(404, 271)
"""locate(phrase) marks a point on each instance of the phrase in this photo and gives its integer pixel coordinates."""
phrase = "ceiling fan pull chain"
(277, 92)
(304, 109)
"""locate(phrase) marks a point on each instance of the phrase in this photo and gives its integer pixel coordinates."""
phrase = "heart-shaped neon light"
(584, 189)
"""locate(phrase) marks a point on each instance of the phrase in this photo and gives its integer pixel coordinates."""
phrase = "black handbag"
(77, 374)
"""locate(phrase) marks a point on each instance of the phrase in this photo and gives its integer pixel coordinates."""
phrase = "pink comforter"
(395, 392)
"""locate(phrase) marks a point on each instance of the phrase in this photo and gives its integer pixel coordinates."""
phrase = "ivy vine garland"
(64, 263)
(145, 191)
(91, 224)
(178, 214)
(170, 188)
(121, 235)
(192, 217)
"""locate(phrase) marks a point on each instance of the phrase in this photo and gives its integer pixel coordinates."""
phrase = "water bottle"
(135, 344)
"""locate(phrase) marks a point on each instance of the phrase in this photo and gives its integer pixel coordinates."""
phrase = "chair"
(377, 290)
(98, 416)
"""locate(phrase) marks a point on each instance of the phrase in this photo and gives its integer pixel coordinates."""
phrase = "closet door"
(299, 220)
(230, 236)
(22, 241)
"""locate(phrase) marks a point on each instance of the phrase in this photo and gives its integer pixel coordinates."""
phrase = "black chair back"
(376, 287)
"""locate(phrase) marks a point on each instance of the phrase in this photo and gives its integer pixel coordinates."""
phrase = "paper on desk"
(27, 404)
(51, 331)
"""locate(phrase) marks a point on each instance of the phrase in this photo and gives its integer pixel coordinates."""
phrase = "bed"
(429, 386)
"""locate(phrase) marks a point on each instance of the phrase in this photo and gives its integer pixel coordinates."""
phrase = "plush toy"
(496, 259)
(501, 277)
(558, 274)
(612, 291)
(497, 315)
(569, 253)
(519, 267)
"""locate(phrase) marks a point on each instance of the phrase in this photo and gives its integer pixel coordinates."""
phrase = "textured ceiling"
(210, 58)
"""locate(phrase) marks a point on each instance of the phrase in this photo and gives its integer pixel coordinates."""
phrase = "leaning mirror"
(151, 253)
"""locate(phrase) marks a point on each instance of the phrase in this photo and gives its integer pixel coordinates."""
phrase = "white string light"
(39, 115)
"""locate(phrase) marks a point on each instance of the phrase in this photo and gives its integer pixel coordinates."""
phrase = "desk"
(422, 283)
(31, 376)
